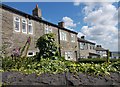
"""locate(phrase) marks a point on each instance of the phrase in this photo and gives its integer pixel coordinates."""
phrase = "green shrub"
(96, 60)
(47, 47)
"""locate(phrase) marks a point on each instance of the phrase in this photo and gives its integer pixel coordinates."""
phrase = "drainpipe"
(59, 40)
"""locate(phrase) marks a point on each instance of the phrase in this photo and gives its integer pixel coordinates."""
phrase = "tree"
(47, 46)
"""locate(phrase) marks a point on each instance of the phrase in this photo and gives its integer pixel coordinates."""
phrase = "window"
(24, 26)
(93, 47)
(63, 36)
(87, 46)
(72, 37)
(48, 29)
(17, 24)
(82, 46)
(90, 47)
(30, 28)
(68, 55)
(30, 54)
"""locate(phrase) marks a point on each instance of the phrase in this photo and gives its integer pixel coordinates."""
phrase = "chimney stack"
(83, 37)
(37, 12)
(61, 24)
(99, 46)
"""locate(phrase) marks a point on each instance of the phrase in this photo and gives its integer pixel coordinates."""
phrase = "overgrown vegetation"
(96, 60)
(31, 65)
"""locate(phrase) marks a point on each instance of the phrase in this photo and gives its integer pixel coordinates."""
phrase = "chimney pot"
(82, 37)
(36, 5)
(61, 24)
(99, 46)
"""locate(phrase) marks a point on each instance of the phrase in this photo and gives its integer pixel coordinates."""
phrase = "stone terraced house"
(101, 51)
(17, 26)
(86, 48)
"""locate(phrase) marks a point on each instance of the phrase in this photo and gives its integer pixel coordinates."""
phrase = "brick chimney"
(61, 24)
(37, 12)
(83, 37)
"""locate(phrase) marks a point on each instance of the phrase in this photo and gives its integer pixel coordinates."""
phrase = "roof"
(100, 49)
(94, 54)
(32, 17)
(85, 41)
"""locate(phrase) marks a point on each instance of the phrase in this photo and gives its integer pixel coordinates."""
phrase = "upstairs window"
(48, 29)
(17, 24)
(63, 36)
(82, 46)
(30, 28)
(72, 37)
(24, 26)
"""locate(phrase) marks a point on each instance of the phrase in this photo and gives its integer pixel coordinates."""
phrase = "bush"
(96, 60)
(8, 63)
(47, 47)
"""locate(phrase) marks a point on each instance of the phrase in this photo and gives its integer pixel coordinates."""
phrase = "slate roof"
(100, 49)
(85, 41)
(94, 54)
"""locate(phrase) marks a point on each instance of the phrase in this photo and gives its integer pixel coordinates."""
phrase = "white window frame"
(81, 46)
(63, 36)
(30, 24)
(48, 29)
(15, 29)
(25, 22)
(72, 37)
(30, 52)
(68, 55)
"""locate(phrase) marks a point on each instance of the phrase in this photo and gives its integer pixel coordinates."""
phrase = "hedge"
(96, 60)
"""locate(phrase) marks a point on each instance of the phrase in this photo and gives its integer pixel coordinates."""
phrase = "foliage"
(47, 65)
(3, 52)
(9, 63)
(47, 46)
(96, 60)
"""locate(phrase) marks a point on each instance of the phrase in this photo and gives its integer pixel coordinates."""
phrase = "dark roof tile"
(85, 41)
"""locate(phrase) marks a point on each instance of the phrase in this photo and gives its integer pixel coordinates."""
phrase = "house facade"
(17, 26)
(101, 51)
(86, 48)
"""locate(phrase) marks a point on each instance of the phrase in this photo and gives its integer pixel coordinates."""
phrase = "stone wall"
(7, 31)
(0, 31)
(68, 45)
(61, 79)
(12, 39)
(85, 52)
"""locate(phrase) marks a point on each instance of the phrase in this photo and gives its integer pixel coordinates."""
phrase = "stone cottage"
(17, 26)
(86, 48)
(101, 51)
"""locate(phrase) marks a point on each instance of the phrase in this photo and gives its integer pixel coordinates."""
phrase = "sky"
(97, 21)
